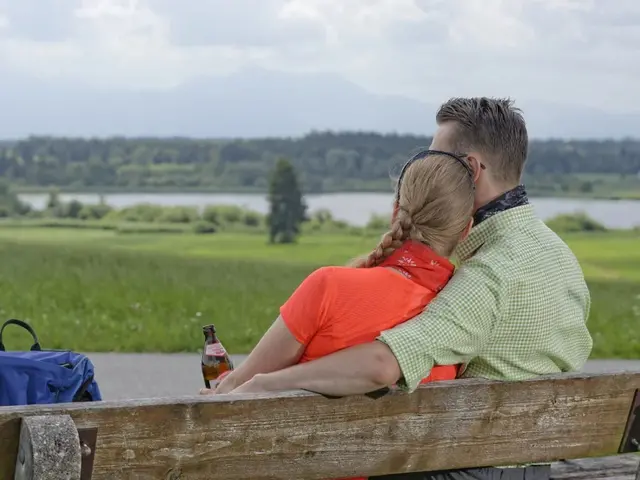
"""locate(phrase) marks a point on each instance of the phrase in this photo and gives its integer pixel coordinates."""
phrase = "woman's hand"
(228, 383)
(277, 349)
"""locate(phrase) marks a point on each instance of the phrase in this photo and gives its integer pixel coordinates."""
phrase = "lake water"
(357, 208)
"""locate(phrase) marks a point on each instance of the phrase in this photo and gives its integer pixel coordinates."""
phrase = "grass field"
(97, 290)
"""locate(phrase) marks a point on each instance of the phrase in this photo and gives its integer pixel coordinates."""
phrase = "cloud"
(568, 51)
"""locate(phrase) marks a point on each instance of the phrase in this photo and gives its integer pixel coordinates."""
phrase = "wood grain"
(621, 467)
(298, 435)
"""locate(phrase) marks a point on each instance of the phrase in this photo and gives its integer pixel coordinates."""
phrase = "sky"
(574, 52)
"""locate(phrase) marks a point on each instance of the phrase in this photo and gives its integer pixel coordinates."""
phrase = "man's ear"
(475, 162)
(467, 229)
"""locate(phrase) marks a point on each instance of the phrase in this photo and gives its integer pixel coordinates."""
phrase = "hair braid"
(434, 206)
(401, 229)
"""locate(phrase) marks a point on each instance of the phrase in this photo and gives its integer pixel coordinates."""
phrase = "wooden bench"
(298, 435)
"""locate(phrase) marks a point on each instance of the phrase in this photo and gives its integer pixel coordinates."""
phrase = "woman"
(339, 307)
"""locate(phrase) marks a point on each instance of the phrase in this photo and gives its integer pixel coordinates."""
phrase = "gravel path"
(123, 376)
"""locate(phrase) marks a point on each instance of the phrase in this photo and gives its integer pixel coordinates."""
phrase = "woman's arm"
(277, 349)
(301, 317)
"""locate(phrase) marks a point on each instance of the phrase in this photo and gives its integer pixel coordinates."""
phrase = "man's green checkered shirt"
(516, 307)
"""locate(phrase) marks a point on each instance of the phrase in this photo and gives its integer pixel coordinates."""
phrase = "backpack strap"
(27, 327)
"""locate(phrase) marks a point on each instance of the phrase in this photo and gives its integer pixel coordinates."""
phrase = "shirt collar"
(501, 223)
(515, 197)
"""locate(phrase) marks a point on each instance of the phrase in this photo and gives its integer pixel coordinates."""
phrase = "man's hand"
(255, 385)
(357, 370)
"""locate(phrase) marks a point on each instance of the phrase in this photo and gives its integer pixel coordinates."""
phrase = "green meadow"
(105, 290)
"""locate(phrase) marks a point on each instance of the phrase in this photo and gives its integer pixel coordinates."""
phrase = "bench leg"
(49, 449)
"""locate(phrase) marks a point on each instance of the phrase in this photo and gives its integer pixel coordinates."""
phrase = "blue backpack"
(44, 376)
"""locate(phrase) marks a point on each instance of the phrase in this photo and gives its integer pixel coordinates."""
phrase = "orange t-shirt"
(339, 307)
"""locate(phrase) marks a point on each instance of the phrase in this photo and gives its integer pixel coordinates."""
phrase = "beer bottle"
(215, 359)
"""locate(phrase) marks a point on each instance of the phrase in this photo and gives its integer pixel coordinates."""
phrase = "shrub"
(321, 216)
(11, 204)
(331, 226)
(142, 212)
(211, 214)
(203, 227)
(252, 219)
(71, 209)
(378, 222)
(576, 222)
(178, 215)
(94, 212)
(231, 213)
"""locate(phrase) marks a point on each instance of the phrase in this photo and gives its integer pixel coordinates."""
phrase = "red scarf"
(419, 263)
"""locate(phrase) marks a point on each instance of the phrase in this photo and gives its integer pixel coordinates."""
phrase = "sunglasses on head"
(426, 153)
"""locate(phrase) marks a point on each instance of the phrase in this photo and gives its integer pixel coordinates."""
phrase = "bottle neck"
(210, 335)
(209, 331)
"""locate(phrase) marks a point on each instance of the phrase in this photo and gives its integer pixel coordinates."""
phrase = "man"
(516, 307)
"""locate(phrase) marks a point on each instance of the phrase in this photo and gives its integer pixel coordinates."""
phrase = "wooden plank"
(297, 435)
(621, 467)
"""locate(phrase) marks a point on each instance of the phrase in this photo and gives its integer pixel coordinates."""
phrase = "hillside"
(254, 103)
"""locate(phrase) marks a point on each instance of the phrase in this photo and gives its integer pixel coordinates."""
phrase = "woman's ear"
(467, 229)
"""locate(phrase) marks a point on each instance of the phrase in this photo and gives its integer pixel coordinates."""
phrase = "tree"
(10, 204)
(53, 200)
(286, 206)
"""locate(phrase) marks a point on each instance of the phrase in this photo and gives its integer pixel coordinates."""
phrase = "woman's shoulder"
(341, 287)
(329, 273)
(337, 276)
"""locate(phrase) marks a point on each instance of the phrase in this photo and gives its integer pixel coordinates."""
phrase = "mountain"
(254, 103)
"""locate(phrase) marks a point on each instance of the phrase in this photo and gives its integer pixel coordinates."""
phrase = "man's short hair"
(493, 127)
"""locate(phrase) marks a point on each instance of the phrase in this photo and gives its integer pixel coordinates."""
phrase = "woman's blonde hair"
(434, 205)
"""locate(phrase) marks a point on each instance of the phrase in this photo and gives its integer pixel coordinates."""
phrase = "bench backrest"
(465, 423)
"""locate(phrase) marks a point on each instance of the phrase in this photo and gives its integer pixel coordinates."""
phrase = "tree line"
(325, 161)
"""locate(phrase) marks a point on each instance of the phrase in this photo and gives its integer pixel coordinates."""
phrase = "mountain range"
(256, 103)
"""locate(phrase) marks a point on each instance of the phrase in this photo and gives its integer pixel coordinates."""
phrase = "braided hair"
(434, 204)
(393, 239)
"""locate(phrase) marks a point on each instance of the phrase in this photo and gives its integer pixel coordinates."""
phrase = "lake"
(356, 208)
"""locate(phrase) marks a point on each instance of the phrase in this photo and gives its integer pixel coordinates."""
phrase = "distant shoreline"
(37, 190)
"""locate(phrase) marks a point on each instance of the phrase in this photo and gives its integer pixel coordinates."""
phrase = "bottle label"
(215, 350)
